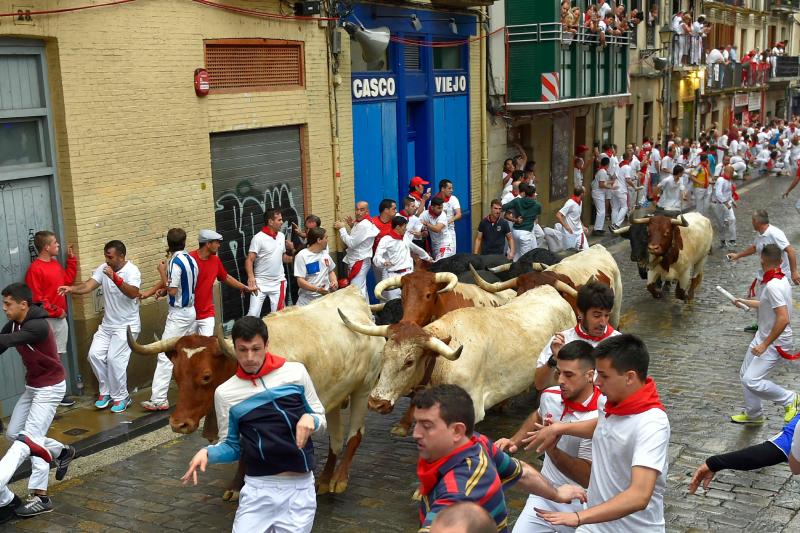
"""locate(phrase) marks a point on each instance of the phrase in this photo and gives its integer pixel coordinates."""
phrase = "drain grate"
(74, 432)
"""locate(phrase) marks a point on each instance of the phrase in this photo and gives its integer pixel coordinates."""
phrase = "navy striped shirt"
(182, 270)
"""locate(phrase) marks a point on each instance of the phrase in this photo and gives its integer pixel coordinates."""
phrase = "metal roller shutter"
(253, 171)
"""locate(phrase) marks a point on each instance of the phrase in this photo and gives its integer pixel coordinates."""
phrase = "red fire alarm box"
(201, 82)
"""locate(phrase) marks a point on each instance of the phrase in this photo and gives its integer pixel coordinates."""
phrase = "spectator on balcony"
(734, 55)
(604, 8)
(569, 24)
(699, 30)
(678, 43)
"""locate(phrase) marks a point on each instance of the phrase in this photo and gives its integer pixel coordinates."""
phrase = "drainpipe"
(334, 80)
(484, 87)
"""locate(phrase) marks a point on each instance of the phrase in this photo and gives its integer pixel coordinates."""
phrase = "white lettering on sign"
(451, 84)
(373, 87)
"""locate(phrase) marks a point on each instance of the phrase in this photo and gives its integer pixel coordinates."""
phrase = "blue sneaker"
(103, 401)
(121, 405)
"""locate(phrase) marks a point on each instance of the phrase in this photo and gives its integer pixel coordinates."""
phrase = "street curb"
(111, 437)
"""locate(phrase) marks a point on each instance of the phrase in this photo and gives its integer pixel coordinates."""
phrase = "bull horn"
(644, 220)
(538, 267)
(387, 284)
(492, 287)
(621, 231)
(563, 287)
(377, 308)
(436, 345)
(154, 348)
(680, 221)
(446, 277)
(225, 346)
(373, 330)
(500, 268)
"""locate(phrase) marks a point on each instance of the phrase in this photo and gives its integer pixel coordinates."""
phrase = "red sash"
(355, 269)
(640, 401)
(734, 194)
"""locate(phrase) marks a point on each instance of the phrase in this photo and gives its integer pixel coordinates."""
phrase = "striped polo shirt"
(182, 274)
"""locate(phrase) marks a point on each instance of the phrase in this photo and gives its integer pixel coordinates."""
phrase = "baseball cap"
(207, 235)
(416, 180)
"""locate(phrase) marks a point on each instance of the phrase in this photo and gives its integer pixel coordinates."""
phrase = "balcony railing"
(786, 67)
(553, 31)
(735, 75)
(783, 5)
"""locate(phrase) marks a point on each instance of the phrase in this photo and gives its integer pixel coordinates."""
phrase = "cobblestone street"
(696, 351)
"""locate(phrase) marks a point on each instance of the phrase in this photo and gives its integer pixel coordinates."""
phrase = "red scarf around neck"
(394, 235)
(586, 336)
(775, 273)
(441, 195)
(268, 231)
(571, 406)
(640, 401)
(271, 362)
(576, 199)
(404, 213)
(428, 473)
(416, 195)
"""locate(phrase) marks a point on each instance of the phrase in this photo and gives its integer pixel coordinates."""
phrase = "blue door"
(375, 152)
(451, 157)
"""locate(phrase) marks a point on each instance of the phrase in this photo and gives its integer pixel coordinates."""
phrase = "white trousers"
(756, 386)
(619, 208)
(524, 241)
(180, 322)
(360, 279)
(726, 222)
(739, 168)
(31, 417)
(576, 240)
(276, 504)
(60, 332)
(440, 252)
(277, 297)
(204, 326)
(599, 199)
(701, 198)
(109, 355)
(552, 236)
(528, 522)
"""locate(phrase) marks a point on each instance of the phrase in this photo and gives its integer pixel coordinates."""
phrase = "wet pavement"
(696, 351)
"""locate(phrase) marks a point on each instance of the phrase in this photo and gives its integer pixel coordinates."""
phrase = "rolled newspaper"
(732, 298)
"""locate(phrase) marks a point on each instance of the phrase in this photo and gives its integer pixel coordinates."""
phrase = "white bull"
(490, 352)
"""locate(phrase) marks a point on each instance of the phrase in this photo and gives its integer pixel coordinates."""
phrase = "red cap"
(416, 180)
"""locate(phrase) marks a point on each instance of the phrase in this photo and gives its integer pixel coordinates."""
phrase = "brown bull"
(427, 296)
(530, 280)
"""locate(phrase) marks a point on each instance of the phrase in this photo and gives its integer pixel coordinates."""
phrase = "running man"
(266, 255)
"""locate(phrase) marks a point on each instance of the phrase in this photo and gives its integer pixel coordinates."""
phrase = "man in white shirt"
(722, 147)
(436, 221)
(575, 399)
(394, 254)
(573, 232)
(654, 169)
(619, 195)
(722, 202)
(178, 283)
(109, 353)
(667, 164)
(314, 269)
(739, 165)
(672, 192)
(266, 255)
(772, 342)
(630, 441)
(451, 208)
(595, 302)
(600, 185)
(359, 246)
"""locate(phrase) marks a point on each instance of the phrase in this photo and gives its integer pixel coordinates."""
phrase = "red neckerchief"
(624, 163)
(416, 195)
(734, 194)
(394, 235)
(271, 362)
(640, 401)
(441, 195)
(583, 335)
(571, 406)
(609, 153)
(576, 199)
(428, 473)
(435, 216)
(268, 231)
(403, 212)
(775, 273)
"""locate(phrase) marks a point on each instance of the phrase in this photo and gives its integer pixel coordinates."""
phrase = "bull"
(522, 265)
(490, 352)
(676, 250)
(460, 263)
(343, 366)
(573, 272)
